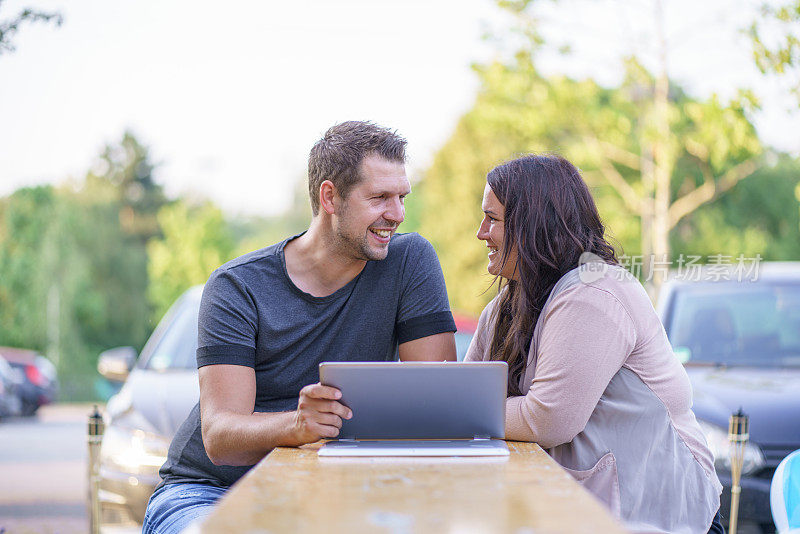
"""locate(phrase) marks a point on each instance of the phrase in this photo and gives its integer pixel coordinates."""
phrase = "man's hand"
(318, 415)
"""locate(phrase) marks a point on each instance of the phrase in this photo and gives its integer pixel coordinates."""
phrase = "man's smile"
(382, 235)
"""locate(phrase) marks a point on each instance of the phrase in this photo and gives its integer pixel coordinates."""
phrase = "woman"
(592, 377)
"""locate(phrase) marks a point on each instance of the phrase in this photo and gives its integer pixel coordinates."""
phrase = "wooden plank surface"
(293, 490)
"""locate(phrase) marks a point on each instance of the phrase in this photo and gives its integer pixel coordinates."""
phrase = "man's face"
(373, 209)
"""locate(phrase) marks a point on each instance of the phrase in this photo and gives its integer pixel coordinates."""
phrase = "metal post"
(738, 434)
(95, 437)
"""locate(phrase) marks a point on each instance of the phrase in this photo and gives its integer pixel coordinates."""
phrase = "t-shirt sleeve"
(227, 323)
(424, 309)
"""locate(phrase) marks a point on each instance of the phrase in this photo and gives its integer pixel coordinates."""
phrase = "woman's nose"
(483, 233)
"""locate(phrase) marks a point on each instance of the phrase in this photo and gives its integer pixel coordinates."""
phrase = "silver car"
(160, 388)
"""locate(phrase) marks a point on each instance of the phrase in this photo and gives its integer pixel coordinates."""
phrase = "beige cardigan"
(611, 403)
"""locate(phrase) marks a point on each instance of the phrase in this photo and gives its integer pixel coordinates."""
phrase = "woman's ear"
(327, 194)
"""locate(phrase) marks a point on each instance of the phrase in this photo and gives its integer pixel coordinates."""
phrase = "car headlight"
(720, 445)
(133, 450)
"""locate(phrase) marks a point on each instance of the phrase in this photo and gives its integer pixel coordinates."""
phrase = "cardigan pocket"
(601, 481)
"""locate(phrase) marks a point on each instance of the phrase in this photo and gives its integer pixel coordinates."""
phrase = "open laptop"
(419, 408)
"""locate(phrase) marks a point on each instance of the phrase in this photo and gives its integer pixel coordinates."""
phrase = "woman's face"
(492, 231)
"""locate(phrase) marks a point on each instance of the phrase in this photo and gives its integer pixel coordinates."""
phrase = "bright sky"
(231, 96)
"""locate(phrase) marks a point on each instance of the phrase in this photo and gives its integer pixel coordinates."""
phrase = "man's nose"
(395, 212)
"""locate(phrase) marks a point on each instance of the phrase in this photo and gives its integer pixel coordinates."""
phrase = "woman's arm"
(586, 337)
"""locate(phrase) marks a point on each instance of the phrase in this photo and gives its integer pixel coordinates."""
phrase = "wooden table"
(293, 490)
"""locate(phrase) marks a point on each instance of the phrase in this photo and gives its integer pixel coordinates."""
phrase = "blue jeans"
(173, 507)
(716, 525)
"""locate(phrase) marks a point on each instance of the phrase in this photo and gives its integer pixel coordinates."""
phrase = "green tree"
(123, 175)
(74, 275)
(654, 156)
(196, 240)
(25, 218)
(666, 128)
(252, 233)
(9, 27)
(759, 216)
(776, 42)
(120, 200)
(118, 260)
(48, 291)
(606, 132)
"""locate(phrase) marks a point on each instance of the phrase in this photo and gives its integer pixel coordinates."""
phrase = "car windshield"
(755, 324)
(177, 345)
(463, 339)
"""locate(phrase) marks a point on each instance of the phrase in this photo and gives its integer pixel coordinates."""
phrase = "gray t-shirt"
(252, 314)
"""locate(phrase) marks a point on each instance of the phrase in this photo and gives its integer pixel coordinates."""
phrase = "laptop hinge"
(482, 437)
(347, 439)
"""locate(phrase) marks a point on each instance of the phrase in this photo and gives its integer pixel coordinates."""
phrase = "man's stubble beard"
(356, 246)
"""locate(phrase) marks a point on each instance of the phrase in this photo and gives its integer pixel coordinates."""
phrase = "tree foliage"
(122, 176)
(251, 233)
(74, 271)
(72, 283)
(606, 132)
(759, 216)
(9, 27)
(196, 240)
(92, 265)
(659, 161)
(776, 42)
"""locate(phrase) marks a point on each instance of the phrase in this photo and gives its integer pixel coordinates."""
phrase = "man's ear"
(327, 194)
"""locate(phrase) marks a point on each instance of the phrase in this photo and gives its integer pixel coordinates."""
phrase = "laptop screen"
(420, 400)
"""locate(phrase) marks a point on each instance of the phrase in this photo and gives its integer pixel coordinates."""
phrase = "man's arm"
(435, 348)
(425, 324)
(234, 435)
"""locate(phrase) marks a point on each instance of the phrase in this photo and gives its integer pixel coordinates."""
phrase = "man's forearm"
(240, 439)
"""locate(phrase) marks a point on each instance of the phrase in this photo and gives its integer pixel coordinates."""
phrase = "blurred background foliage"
(671, 173)
(94, 263)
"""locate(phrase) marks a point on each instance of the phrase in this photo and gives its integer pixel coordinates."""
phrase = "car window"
(737, 324)
(177, 346)
(463, 339)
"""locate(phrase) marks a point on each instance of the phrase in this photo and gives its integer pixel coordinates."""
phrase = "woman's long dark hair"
(550, 219)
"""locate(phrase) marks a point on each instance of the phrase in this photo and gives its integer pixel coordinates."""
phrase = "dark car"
(10, 382)
(466, 326)
(740, 344)
(39, 382)
(159, 392)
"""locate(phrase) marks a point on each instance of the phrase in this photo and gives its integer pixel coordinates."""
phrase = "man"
(347, 289)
